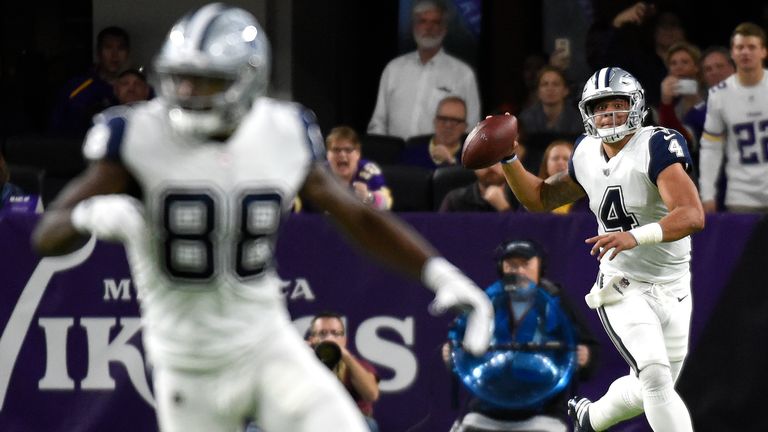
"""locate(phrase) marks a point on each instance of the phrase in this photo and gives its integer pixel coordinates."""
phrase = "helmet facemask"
(620, 84)
(214, 64)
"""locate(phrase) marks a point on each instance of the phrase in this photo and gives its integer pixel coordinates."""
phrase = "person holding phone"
(681, 91)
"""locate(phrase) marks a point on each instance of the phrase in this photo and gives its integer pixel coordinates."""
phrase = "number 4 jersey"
(623, 194)
(213, 210)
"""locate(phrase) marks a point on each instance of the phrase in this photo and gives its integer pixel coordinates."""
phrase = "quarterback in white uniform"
(736, 127)
(646, 207)
(218, 165)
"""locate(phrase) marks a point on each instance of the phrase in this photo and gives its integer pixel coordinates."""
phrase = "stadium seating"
(448, 178)
(382, 149)
(411, 187)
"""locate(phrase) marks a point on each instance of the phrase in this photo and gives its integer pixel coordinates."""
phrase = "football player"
(646, 207)
(736, 126)
(218, 164)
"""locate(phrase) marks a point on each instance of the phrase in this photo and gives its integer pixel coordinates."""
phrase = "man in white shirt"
(412, 84)
(736, 127)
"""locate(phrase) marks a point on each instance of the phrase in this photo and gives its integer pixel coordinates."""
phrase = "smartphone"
(564, 45)
(687, 86)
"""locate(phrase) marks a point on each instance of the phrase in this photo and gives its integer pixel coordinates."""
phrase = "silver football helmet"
(214, 63)
(612, 82)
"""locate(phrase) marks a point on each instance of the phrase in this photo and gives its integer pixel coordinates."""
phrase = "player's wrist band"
(509, 159)
(648, 234)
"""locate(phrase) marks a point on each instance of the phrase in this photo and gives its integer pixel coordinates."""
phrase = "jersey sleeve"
(105, 138)
(371, 174)
(571, 168)
(667, 147)
(713, 120)
(314, 135)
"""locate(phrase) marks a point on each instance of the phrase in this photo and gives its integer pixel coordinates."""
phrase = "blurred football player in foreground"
(647, 207)
(219, 164)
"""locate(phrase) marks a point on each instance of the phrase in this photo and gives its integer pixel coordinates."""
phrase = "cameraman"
(358, 376)
(520, 265)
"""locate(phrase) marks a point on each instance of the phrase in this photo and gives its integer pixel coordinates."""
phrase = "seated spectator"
(488, 194)
(412, 84)
(363, 177)
(556, 157)
(131, 87)
(358, 376)
(84, 96)
(444, 147)
(551, 113)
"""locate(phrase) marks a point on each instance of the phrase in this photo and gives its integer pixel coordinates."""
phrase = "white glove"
(453, 289)
(110, 217)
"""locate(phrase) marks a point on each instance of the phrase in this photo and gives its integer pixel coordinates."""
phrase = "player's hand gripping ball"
(492, 140)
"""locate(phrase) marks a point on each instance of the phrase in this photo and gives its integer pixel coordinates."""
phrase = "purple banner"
(70, 350)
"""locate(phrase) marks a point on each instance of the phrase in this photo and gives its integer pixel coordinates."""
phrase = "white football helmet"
(612, 82)
(214, 63)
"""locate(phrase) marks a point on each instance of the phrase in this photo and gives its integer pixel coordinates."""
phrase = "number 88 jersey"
(623, 194)
(213, 209)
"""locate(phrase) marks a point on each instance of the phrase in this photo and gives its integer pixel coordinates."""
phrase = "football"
(489, 142)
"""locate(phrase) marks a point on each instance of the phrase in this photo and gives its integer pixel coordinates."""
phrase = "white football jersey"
(623, 195)
(213, 209)
(740, 115)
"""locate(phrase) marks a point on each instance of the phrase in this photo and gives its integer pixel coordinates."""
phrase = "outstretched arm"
(55, 234)
(395, 243)
(378, 232)
(540, 195)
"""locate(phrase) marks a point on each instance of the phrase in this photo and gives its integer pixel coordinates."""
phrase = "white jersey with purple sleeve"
(213, 210)
(623, 194)
(736, 126)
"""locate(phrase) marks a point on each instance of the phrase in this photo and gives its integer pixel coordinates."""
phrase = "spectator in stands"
(131, 87)
(681, 91)
(88, 94)
(551, 117)
(551, 113)
(716, 66)
(528, 299)
(635, 36)
(412, 85)
(488, 194)
(532, 65)
(358, 376)
(364, 177)
(443, 148)
(734, 129)
(556, 157)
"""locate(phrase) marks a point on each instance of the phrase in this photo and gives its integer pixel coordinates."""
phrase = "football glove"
(455, 290)
(110, 217)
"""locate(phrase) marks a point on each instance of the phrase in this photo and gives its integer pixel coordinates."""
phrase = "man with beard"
(412, 84)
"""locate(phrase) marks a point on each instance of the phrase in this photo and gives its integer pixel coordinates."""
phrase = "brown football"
(489, 142)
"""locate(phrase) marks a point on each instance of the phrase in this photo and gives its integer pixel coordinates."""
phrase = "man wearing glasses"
(444, 147)
(357, 375)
